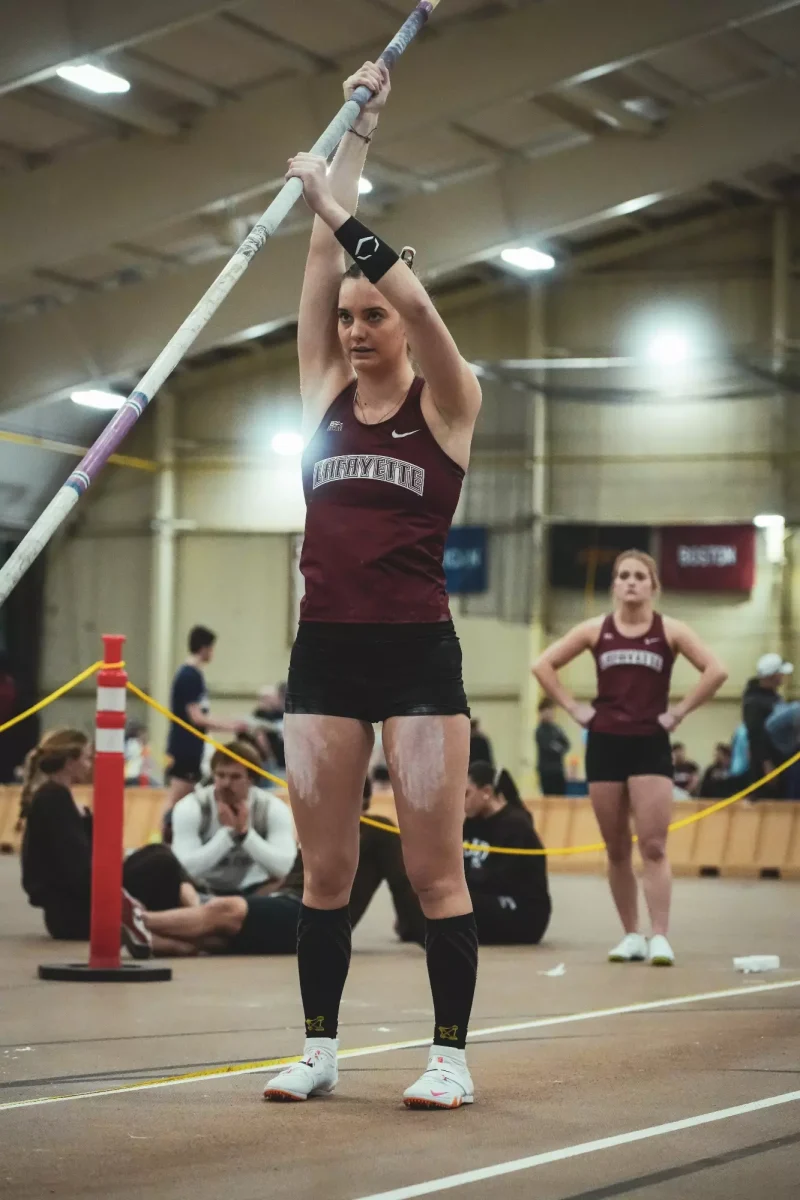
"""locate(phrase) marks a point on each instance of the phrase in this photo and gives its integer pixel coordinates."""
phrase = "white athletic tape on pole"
(446, 1182)
(414, 1043)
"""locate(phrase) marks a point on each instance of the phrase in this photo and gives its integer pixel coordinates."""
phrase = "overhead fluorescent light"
(94, 79)
(97, 398)
(526, 258)
(288, 444)
(364, 186)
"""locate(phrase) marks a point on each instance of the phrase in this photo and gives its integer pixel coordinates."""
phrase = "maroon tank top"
(633, 676)
(380, 500)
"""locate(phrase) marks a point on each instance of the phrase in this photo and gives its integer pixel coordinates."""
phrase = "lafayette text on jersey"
(380, 500)
(633, 676)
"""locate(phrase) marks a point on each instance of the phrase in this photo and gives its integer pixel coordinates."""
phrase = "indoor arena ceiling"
(589, 127)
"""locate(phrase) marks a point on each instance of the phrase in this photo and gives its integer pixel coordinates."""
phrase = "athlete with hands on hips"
(628, 756)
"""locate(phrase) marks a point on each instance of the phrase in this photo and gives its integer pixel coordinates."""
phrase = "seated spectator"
(232, 837)
(686, 774)
(259, 924)
(551, 746)
(480, 748)
(57, 843)
(509, 893)
(716, 784)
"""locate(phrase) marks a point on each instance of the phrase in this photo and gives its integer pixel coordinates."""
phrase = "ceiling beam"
(610, 112)
(114, 193)
(117, 334)
(135, 65)
(37, 38)
(120, 108)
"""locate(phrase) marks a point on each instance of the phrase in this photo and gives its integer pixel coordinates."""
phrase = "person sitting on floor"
(57, 845)
(232, 837)
(267, 924)
(509, 893)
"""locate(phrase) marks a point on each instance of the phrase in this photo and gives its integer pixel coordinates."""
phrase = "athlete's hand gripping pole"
(126, 417)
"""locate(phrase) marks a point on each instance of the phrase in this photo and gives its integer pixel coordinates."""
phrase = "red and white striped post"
(108, 807)
(104, 965)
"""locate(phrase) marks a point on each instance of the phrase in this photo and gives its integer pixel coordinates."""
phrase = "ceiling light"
(528, 259)
(97, 398)
(668, 349)
(364, 186)
(94, 79)
(288, 444)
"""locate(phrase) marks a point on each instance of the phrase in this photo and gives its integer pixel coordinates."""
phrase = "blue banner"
(466, 560)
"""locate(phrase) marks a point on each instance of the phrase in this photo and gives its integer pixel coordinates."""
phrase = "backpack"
(783, 727)
(259, 810)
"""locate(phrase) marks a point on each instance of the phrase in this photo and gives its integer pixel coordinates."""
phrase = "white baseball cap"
(772, 664)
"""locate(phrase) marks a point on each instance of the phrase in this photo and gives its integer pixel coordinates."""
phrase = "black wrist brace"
(367, 251)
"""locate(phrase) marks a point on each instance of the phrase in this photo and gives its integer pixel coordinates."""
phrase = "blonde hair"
(50, 756)
(646, 560)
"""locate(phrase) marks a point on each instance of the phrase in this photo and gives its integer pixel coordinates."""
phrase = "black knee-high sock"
(451, 950)
(323, 960)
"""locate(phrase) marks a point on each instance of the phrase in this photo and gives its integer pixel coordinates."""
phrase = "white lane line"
(385, 1047)
(446, 1182)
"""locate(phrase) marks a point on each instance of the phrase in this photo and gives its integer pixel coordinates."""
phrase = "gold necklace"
(385, 416)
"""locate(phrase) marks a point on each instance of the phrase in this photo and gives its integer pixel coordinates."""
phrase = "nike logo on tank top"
(379, 503)
(633, 678)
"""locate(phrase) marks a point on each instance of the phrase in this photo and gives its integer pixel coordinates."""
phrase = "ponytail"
(505, 787)
(30, 772)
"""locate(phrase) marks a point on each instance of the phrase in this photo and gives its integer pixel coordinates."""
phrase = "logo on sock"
(448, 1033)
(315, 1024)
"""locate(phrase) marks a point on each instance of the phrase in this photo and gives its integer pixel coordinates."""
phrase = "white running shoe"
(632, 948)
(661, 953)
(316, 1074)
(445, 1084)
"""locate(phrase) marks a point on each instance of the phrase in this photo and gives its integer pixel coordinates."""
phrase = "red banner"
(708, 558)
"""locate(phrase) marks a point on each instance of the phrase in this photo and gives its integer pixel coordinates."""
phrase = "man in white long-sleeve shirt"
(230, 836)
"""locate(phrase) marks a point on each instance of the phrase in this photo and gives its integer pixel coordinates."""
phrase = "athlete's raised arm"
(454, 389)
(324, 370)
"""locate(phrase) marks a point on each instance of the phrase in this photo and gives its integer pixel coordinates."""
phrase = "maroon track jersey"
(380, 501)
(633, 676)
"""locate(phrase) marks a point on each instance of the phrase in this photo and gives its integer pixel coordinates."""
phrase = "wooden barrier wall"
(743, 840)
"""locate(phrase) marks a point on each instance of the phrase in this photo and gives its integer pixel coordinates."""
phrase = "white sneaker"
(445, 1084)
(316, 1074)
(632, 948)
(661, 953)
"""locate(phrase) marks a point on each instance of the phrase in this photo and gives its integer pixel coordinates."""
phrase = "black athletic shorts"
(270, 926)
(615, 757)
(372, 672)
(187, 769)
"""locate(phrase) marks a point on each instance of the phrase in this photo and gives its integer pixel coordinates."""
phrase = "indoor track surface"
(600, 1081)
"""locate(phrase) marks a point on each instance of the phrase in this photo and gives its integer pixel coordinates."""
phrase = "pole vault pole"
(126, 417)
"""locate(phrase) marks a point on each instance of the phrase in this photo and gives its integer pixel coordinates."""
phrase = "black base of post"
(124, 973)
